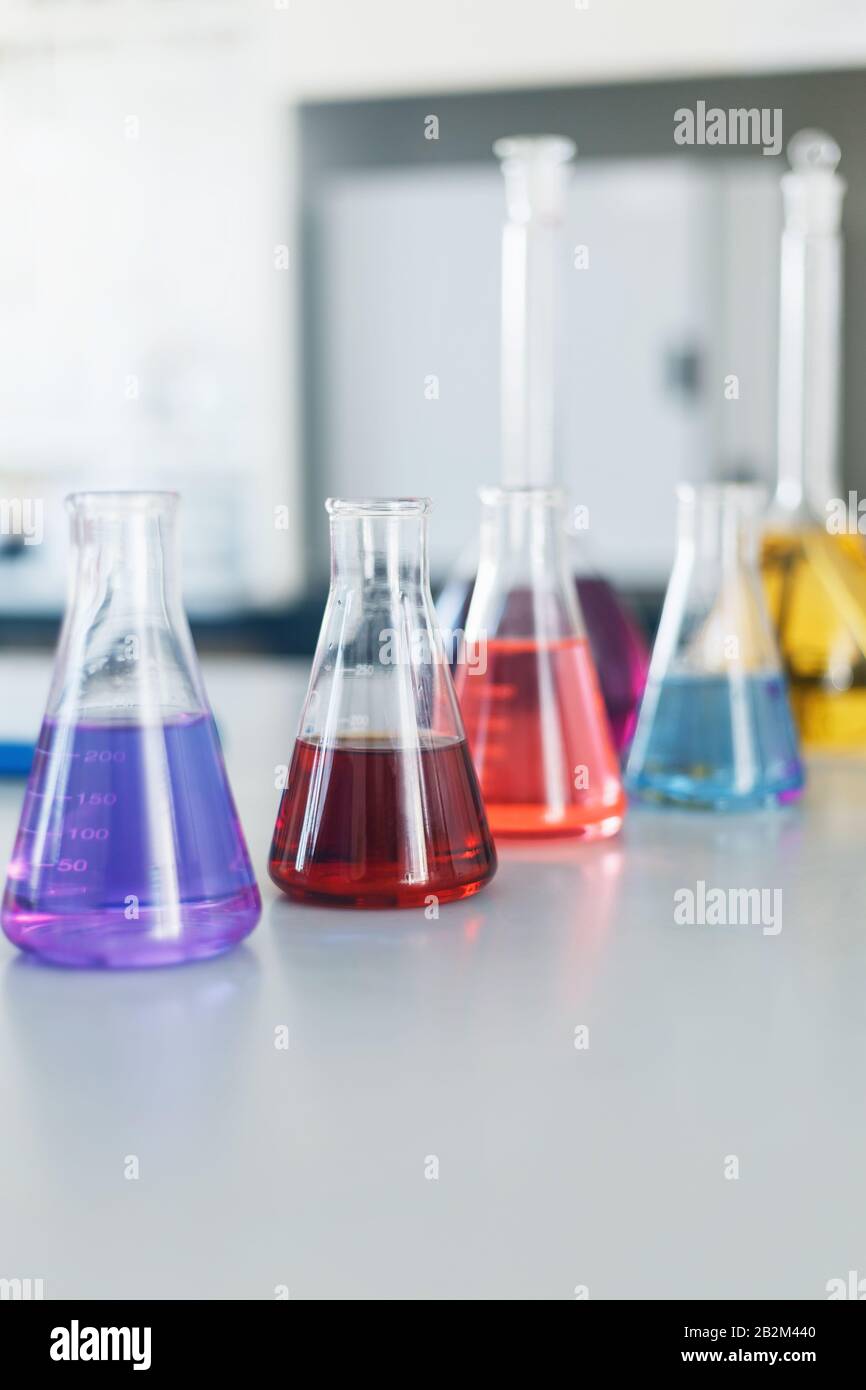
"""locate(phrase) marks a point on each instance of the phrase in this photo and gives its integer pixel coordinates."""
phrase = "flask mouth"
(378, 506)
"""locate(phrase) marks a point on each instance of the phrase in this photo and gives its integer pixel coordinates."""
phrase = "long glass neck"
(810, 329)
(534, 170)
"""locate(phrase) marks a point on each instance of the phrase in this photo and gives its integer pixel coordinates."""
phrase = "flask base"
(677, 793)
(106, 940)
(531, 822)
(403, 895)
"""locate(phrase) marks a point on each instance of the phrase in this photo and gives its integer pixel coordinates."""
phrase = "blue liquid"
(714, 742)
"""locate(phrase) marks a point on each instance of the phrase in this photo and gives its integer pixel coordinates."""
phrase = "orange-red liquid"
(541, 741)
(366, 824)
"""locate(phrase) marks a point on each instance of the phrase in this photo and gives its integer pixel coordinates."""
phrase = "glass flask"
(129, 851)
(535, 169)
(527, 682)
(715, 727)
(814, 559)
(382, 806)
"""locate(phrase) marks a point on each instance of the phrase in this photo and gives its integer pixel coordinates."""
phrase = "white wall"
(146, 333)
(342, 47)
(154, 257)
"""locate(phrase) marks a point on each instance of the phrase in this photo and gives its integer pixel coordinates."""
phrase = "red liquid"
(540, 740)
(618, 648)
(369, 825)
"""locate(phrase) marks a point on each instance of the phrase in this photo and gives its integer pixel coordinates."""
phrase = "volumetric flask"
(129, 851)
(381, 806)
(814, 558)
(536, 171)
(715, 727)
(527, 683)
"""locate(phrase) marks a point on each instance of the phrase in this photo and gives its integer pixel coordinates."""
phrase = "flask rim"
(378, 506)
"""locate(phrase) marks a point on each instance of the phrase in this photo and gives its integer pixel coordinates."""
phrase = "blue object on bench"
(15, 758)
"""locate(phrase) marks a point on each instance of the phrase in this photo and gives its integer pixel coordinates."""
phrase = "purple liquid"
(618, 648)
(129, 851)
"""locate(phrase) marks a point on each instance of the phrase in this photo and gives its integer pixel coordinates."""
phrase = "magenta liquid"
(129, 851)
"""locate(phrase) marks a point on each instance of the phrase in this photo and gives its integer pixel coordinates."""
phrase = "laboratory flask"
(129, 850)
(381, 806)
(814, 558)
(715, 728)
(527, 683)
(536, 170)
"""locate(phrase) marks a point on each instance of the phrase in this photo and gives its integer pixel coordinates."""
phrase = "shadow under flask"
(129, 850)
(715, 729)
(382, 806)
(527, 683)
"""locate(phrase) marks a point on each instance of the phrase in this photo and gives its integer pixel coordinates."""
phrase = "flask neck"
(379, 545)
(535, 171)
(125, 649)
(523, 587)
(717, 526)
(124, 553)
(810, 331)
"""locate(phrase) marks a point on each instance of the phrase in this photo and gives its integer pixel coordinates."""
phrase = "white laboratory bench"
(607, 1166)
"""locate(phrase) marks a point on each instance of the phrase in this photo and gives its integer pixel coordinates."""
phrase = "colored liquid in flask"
(112, 812)
(368, 824)
(717, 742)
(620, 654)
(815, 586)
(618, 649)
(540, 740)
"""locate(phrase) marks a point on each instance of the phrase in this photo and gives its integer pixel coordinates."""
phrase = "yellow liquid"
(815, 585)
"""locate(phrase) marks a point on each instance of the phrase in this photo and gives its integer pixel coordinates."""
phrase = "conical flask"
(129, 851)
(535, 170)
(715, 727)
(382, 806)
(528, 688)
(814, 559)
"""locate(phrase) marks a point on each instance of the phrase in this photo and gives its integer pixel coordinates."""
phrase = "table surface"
(606, 1167)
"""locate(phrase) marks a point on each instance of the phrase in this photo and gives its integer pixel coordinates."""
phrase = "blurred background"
(231, 261)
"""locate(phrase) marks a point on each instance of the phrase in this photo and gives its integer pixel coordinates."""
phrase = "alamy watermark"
(846, 517)
(738, 126)
(22, 1290)
(417, 647)
(729, 907)
(77, 1343)
(24, 517)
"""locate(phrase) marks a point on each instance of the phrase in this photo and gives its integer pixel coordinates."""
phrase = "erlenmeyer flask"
(814, 567)
(535, 169)
(382, 806)
(715, 727)
(129, 850)
(527, 684)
